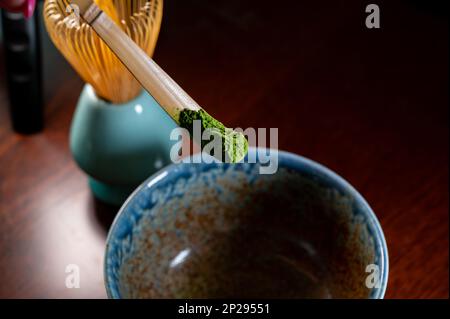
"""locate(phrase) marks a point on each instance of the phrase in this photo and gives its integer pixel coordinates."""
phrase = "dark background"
(371, 105)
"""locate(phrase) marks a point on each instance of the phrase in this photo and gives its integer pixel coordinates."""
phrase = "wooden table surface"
(370, 104)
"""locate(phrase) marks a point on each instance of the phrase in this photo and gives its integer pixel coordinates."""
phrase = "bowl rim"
(296, 159)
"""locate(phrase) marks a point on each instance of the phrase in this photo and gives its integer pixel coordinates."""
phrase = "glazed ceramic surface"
(119, 145)
(226, 231)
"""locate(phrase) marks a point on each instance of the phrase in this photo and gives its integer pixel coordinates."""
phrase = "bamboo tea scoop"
(170, 96)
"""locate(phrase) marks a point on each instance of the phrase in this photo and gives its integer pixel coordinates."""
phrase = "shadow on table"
(103, 214)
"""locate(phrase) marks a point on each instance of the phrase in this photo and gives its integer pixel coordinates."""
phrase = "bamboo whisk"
(89, 55)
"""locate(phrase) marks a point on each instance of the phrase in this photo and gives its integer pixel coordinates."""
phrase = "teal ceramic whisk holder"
(119, 145)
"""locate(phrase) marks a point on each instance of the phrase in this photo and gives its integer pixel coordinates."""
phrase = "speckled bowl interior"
(227, 231)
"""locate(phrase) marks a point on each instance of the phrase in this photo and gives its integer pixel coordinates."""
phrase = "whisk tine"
(89, 55)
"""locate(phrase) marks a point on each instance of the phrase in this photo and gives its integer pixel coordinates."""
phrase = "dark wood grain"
(370, 104)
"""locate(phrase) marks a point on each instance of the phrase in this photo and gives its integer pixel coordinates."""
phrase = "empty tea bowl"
(214, 230)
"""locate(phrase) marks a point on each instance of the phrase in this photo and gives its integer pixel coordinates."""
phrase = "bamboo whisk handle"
(153, 79)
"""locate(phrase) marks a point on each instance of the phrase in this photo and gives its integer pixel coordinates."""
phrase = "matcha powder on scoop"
(234, 144)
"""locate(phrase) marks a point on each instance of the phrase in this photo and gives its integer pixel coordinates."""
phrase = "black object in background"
(23, 71)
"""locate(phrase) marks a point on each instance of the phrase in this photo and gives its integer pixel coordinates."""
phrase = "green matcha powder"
(234, 144)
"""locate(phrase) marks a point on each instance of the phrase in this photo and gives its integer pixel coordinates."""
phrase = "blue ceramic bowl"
(226, 231)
